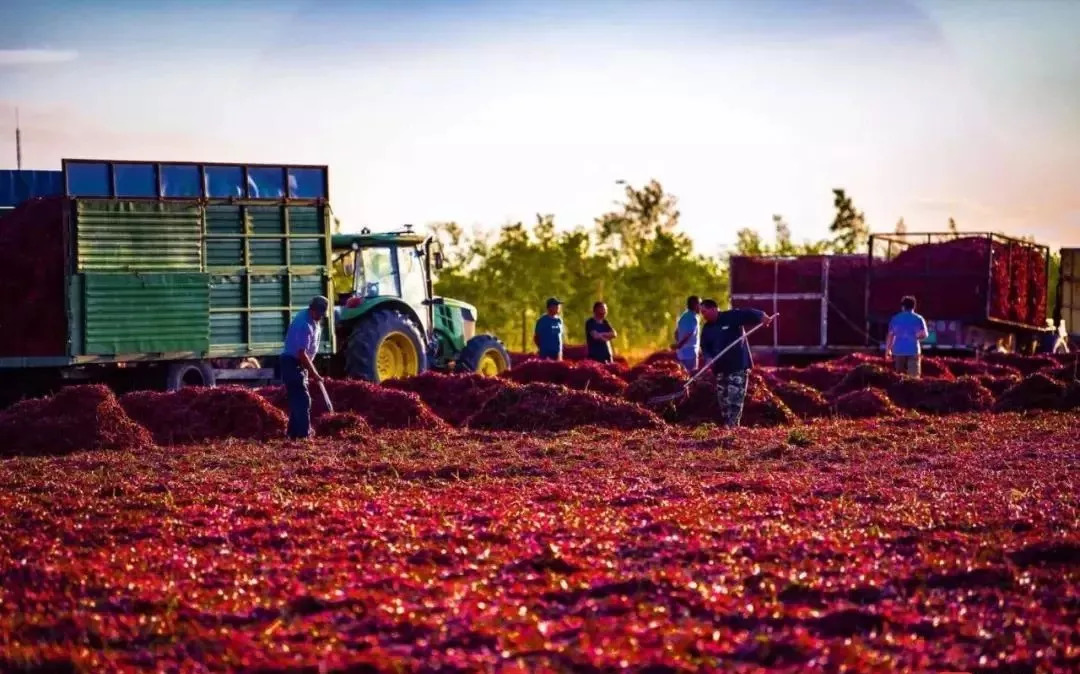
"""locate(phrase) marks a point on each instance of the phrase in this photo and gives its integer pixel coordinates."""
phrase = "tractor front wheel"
(484, 354)
(385, 345)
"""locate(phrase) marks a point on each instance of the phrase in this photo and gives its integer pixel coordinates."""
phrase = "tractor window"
(341, 272)
(413, 283)
(380, 274)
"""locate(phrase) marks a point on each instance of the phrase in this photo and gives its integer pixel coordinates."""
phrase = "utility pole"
(18, 142)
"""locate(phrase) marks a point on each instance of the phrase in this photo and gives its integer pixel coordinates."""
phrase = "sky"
(487, 112)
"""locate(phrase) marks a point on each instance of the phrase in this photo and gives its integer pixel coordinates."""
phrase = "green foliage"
(633, 258)
(1052, 282)
(849, 225)
(749, 242)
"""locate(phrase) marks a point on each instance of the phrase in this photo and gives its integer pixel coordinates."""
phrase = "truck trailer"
(158, 274)
(162, 275)
(975, 290)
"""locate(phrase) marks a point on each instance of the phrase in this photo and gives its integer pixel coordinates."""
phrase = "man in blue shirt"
(906, 329)
(732, 370)
(548, 335)
(298, 364)
(686, 335)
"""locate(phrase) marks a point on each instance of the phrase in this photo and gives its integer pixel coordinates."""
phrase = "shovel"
(686, 387)
(326, 397)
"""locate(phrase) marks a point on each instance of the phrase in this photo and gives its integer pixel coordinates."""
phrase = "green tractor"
(390, 324)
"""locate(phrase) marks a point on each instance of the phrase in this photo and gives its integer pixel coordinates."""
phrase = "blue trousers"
(296, 388)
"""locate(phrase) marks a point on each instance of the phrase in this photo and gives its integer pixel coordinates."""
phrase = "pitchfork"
(686, 387)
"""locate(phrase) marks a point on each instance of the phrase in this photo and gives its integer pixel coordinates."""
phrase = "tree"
(952, 226)
(645, 213)
(1052, 281)
(633, 258)
(895, 245)
(748, 242)
(783, 245)
(849, 225)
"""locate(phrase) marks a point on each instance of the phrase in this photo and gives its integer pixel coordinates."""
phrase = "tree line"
(633, 257)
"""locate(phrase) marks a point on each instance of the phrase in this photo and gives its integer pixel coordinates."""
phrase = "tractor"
(390, 324)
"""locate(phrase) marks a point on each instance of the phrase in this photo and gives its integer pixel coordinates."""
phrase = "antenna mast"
(18, 142)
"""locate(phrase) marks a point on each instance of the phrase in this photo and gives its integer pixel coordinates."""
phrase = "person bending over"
(732, 370)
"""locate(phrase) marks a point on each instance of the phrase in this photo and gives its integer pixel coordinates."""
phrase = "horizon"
(486, 113)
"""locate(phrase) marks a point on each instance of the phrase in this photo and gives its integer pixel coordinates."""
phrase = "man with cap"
(732, 370)
(548, 335)
(298, 364)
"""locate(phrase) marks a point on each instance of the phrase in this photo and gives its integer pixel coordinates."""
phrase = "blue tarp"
(18, 186)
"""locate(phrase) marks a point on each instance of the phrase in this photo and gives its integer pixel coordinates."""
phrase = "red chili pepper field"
(912, 539)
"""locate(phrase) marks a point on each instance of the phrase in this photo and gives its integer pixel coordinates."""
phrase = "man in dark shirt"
(732, 370)
(598, 334)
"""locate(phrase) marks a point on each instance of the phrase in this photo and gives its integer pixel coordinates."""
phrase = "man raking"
(732, 368)
(298, 365)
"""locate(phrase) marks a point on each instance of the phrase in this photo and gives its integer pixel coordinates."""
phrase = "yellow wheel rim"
(491, 363)
(396, 357)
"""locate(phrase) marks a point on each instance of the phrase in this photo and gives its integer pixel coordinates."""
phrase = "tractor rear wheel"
(383, 345)
(484, 354)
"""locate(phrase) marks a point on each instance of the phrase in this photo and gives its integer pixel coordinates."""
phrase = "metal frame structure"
(1068, 297)
(776, 297)
(909, 239)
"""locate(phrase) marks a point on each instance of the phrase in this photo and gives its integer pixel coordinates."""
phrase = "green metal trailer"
(178, 273)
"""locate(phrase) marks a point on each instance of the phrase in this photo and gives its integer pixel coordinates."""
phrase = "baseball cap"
(553, 301)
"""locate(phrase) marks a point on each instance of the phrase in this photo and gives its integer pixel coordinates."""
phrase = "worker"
(732, 370)
(298, 364)
(1048, 338)
(687, 328)
(548, 335)
(598, 335)
(906, 330)
(1062, 345)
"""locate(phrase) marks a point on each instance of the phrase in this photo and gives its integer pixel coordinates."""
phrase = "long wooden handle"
(326, 398)
(715, 358)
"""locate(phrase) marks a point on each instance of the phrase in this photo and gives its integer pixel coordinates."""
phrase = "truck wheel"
(483, 354)
(385, 345)
(184, 375)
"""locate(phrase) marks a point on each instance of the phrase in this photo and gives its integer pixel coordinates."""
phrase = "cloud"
(24, 57)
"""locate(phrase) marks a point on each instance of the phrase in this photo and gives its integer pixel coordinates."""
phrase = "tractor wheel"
(484, 354)
(385, 345)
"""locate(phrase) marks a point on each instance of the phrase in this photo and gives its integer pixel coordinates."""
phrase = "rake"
(686, 387)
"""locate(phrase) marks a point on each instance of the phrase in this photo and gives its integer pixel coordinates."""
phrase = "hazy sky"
(485, 112)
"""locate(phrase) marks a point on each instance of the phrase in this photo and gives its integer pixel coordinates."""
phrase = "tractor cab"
(369, 266)
(388, 316)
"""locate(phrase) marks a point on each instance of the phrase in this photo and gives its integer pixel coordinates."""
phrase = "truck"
(976, 290)
(1067, 306)
(171, 274)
